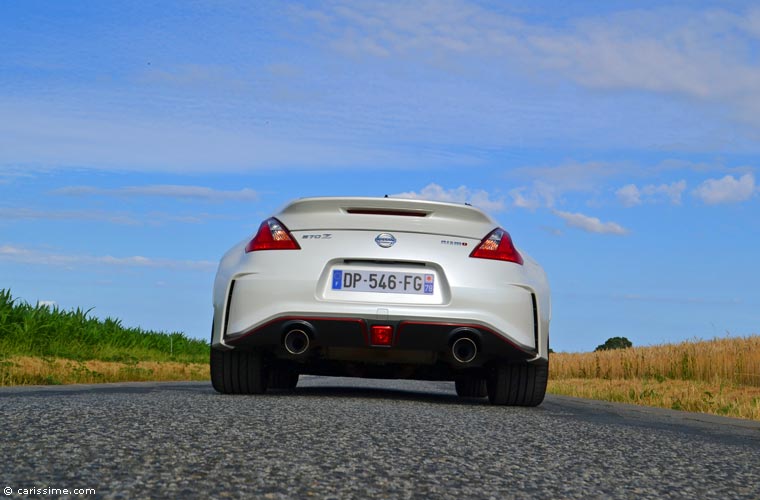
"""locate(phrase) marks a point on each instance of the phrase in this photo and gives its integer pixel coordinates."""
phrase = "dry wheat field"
(719, 376)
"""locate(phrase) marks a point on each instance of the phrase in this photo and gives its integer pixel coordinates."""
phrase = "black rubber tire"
(237, 372)
(217, 370)
(471, 387)
(282, 378)
(518, 384)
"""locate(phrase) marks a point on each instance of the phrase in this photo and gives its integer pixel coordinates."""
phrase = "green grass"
(42, 331)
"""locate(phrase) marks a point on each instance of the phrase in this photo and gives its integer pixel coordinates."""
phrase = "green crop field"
(39, 332)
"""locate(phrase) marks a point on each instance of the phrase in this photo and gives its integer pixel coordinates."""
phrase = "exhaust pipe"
(296, 341)
(464, 350)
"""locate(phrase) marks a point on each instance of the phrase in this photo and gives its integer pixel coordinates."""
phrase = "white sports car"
(383, 288)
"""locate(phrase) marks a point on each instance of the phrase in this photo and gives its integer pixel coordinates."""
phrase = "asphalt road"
(353, 438)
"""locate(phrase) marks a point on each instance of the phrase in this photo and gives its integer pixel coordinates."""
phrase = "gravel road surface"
(355, 438)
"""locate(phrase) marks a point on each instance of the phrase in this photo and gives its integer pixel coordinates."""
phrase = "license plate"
(382, 282)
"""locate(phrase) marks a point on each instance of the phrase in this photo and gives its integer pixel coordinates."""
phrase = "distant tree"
(614, 343)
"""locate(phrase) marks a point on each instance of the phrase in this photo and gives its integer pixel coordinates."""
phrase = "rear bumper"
(346, 347)
(350, 339)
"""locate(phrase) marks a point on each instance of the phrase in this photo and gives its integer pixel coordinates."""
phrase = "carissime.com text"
(47, 490)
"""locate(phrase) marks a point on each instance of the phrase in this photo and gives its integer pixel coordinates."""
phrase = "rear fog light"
(381, 335)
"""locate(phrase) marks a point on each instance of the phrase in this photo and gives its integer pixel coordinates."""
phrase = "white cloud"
(706, 54)
(630, 195)
(552, 230)
(671, 191)
(122, 218)
(548, 184)
(9, 214)
(164, 190)
(726, 190)
(10, 173)
(590, 224)
(691, 56)
(462, 194)
(539, 194)
(523, 198)
(572, 175)
(22, 255)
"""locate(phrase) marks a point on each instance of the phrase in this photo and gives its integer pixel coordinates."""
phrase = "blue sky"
(618, 143)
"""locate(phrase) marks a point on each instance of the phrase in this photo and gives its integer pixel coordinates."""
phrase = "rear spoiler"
(386, 214)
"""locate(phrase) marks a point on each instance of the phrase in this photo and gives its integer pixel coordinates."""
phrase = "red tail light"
(498, 246)
(272, 235)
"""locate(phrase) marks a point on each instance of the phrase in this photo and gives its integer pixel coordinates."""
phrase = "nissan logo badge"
(385, 240)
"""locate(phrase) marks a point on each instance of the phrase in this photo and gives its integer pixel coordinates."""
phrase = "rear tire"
(282, 378)
(471, 387)
(237, 372)
(518, 384)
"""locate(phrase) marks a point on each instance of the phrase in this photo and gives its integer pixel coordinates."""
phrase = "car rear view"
(383, 288)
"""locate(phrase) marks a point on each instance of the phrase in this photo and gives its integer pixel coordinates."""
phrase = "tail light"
(272, 235)
(497, 246)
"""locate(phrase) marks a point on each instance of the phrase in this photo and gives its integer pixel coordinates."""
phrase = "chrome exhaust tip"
(296, 342)
(464, 350)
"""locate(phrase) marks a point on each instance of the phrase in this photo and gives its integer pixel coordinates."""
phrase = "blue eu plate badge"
(337, 279)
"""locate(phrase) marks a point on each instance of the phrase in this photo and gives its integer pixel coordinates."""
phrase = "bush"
(614, 343)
